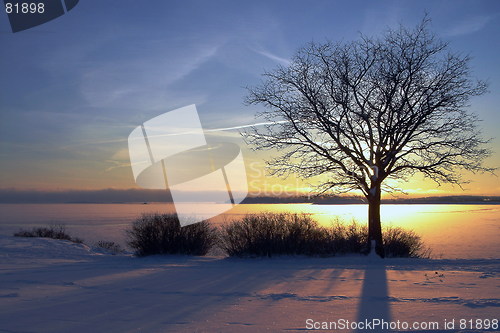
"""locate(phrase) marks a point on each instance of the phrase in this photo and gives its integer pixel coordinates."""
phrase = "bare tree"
(357, 114)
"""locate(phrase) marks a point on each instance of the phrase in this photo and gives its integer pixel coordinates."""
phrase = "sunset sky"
(73, 89)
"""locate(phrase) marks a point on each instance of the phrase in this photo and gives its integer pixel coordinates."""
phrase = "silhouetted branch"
(396, 105)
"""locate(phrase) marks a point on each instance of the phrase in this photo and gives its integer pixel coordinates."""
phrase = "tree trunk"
(374, 225)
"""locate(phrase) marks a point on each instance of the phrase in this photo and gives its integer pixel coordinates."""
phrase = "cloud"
(121, 155)
(468, 26)
(142, 81)
(116, 165)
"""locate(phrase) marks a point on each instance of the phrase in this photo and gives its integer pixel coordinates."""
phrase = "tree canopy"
(372, 109)
(360, 113)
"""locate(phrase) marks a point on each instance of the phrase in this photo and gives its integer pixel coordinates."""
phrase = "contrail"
(222, 129)
(245, 126)
(187, 132)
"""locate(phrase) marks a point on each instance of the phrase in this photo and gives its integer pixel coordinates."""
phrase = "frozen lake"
(452, 231)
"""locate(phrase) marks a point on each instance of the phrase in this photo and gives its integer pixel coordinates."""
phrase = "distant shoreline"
(444, 200)
(259, 203)
(141, 196)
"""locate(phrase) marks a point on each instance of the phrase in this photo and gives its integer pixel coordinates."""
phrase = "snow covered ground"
(56, 286)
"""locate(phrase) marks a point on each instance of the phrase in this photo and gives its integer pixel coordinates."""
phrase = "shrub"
(112, 247)
(162, 234)
(404, 243)
(350, 238)
(56, 231)
(269, 234)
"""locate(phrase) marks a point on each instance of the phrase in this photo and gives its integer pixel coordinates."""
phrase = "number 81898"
(25, 8)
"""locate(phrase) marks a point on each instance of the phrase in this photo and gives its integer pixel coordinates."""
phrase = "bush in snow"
(404, 243)
(162, 234)
(350, 238)
(269, 234)
(112, 247)
(54, 231)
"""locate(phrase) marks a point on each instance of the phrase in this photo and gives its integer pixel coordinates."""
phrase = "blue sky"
(72, 90)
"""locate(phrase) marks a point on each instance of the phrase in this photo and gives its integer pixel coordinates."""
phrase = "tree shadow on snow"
(374, 305)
